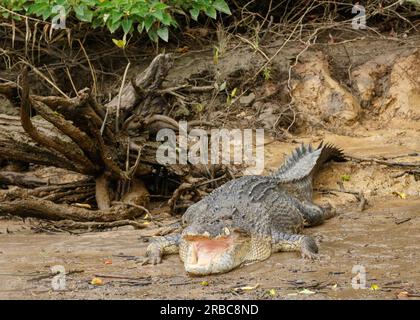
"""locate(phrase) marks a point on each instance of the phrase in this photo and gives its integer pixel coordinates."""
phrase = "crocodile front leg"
(161, 246)
(307, 246)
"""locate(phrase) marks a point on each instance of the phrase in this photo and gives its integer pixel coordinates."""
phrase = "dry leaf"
(108, 262)
(247, 288)
(83, 205)
(307, 291)
(402, 195)
(97, 282)
(272, 292)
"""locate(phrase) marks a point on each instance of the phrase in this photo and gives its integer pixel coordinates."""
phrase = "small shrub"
(152, 16)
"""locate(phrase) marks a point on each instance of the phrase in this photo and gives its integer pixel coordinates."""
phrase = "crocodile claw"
(307, 254)
(151, 260)
(153, 255)
(309, 249)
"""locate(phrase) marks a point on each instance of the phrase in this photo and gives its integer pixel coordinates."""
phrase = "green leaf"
(116, 16)
(163, 34)
(221, 6)
(140, 11)
(153, 35)
(166, 19)
(46, 14)
(96, 23)
(114, 26)
(211, 12)
(37, 8)
(158, 15)
(194, 13)
(148, 22)
(140, 27)
(83, 13)
(126, 25)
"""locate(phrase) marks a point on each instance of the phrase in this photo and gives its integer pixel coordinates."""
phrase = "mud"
(384, 240)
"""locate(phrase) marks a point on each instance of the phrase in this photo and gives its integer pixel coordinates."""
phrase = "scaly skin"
(248, 219)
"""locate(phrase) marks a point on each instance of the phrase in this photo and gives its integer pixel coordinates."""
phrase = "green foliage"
(345, 177)
(415, 2)
(267, 74)
(153, 16)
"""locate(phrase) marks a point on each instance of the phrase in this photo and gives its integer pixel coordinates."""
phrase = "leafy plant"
(267, 73)
(155, 17)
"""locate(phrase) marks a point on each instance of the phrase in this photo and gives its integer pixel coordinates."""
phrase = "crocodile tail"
(303, 164)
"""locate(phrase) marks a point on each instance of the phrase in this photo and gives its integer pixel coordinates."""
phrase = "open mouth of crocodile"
(210, 255)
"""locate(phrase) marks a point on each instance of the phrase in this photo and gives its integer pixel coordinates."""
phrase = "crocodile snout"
(206, 255)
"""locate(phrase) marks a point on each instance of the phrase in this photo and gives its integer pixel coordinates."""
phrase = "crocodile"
(247, 219)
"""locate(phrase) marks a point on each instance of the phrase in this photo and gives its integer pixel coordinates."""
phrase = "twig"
(45, 78)
(117, 116)
(388, 163)
(92, 70)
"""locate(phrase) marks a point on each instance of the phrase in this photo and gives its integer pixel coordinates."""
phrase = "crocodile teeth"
(227, 231)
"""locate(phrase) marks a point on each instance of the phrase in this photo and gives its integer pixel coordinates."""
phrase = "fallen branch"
(70, 224)
(20, 179)
(387, 163)
(44, 209)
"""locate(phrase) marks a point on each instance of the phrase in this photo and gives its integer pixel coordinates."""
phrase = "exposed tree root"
(102, 194)
(20, 179)
(44, 209)
(70, 224)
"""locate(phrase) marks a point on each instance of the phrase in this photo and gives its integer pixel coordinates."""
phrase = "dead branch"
(70, 224)
(149, 80)
(20, 179)
(44, 209)
(385, 162)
